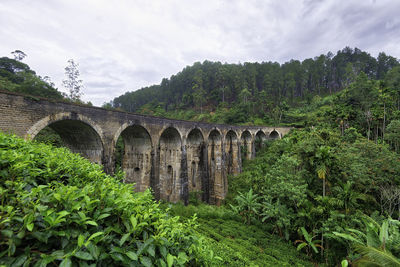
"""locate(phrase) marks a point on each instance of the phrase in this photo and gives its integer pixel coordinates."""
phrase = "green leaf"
(29, 227)
(81, 240)
(66, 262)
(94, 250)
(91, 223)
(133, 221)
(170, 260)
(19, 261)
(62, 213)
(104, 215)
(83, 255)
(344, 263)
(300, 246)
(7, 233)
(151, 250)
(146, 261)
(118, 257)
(95, 235)
(163, 251)
(123, 239)
(314, 247)
(132, 255)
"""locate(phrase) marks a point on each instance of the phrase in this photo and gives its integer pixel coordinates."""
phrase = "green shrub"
(58, 208)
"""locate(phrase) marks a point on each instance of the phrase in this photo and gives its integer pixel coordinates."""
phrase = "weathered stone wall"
(171, 156)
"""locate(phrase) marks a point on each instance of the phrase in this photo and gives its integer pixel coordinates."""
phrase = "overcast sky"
(125, 45)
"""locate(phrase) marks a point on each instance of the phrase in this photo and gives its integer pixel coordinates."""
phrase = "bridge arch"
(259, 140)
(137, 156)
(170, 161)
(246, 144)
(274, 135)
(78, 132)
(232, 152)
(196, 157)
(217, 181)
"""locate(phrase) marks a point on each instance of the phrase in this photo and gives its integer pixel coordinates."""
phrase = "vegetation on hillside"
(16, 76)
(253, 93)
(316, 182)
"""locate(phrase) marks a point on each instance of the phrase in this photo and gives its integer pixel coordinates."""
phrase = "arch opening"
(134, 152)
(76, 135)
(274, 135)
(232, 153)
(197, 170)
(195, 155)
(259, 142)
(246, 145)
(170, 157)
(217, 180)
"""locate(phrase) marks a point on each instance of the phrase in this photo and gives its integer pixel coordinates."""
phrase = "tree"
(72, 82)
(18, 55)
(393, 134)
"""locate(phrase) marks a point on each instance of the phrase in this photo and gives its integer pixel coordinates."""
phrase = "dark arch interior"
(245, 145)
(195, 137)
(214, 136)
(274, 135)
(259, 140)
(135, 147)
(169, 164)
(196, 154)
(217, 183)
(170, 136)
(230, 150)
(231, 135)
(76, 135)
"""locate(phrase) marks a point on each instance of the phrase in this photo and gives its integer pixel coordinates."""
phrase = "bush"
(56, 207)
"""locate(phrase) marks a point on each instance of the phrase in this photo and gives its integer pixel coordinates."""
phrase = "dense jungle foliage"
(57, 208)
(334, 196)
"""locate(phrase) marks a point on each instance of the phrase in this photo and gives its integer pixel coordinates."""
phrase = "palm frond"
(377, 256)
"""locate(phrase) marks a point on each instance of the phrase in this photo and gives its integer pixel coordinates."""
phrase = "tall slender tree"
(72, 82)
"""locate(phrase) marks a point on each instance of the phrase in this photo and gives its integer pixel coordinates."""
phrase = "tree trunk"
(384, 121)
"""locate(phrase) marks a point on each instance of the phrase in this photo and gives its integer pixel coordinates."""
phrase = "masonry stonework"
(173, 157)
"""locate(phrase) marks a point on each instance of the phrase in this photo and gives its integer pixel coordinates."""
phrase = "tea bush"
(58, 208)
(235, 243)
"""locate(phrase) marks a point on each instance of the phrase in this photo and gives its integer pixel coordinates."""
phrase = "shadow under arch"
(197, 163)
(274, 135)
(259, 140)
(170, 155)
(77, 132)
(232, 153)
(246, 145)
(137, 156)
(217, 181)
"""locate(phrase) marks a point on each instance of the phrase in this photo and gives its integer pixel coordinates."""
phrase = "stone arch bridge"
(173, 157)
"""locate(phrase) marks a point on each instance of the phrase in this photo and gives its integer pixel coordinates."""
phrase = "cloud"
(125, 45)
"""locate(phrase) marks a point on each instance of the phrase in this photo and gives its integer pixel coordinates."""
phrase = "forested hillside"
(257, 93)
(16, 76)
